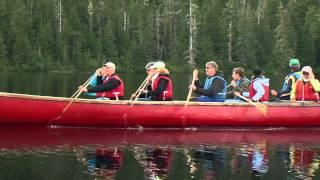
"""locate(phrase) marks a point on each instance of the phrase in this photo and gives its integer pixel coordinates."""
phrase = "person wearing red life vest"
(161, 83)
(259, 87)
(307, 88)
(109, 85)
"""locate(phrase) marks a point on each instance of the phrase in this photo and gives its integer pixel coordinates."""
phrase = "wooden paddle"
(140, 87)
(89, 80)
(260, 107)
(78, 93)
(139, 92)
(190, 90)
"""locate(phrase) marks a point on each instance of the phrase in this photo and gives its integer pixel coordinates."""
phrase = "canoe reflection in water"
(171, 154)
(155, 161)
(103, 162)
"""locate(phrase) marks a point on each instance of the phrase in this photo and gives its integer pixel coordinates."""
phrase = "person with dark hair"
(214, 88)
(239, 84)
(289, 81)
(259, 88)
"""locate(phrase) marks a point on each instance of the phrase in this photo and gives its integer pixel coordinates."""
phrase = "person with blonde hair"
(161, 83)
(307, 88)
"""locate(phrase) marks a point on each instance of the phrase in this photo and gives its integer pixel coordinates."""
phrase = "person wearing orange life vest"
(259, 87)
(108, 84)
(307, 88)
(161, 83)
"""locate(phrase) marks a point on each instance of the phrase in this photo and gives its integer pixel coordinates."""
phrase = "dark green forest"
(80, 35)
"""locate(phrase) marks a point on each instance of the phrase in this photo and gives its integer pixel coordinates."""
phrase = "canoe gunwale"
(169, 103)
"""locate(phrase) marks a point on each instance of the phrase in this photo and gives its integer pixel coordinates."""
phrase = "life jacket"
(294, 76)
(112, 93)
(220, 96)
(167, 94)
(238, 84)
(305, 91)
(265, 84)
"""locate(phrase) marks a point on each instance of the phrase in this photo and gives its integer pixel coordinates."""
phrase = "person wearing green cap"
(289, 81)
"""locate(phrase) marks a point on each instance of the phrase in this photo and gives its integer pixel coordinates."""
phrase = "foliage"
(79, 35)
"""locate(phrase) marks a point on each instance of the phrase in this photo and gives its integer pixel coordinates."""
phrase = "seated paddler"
(107, 85)
(259, 87)
(160, 82)
(290, 80)
(238, 84)
(307, 88)
(214, 88)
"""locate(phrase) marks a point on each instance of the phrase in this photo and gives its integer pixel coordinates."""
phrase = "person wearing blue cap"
(290, 80)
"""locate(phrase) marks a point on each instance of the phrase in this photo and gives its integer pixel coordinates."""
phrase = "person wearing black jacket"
(161, 86)
(215, 87)
(108, 84)
(290, 80)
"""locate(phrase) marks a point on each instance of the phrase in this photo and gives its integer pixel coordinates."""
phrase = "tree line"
(80, 35)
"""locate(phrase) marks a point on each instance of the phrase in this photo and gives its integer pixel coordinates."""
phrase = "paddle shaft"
(190, 90)
(140, 87)
(79, 92)
(84, 84)
(260, 107)
(139, 93)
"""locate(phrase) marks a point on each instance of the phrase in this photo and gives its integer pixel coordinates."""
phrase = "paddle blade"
(262, 109)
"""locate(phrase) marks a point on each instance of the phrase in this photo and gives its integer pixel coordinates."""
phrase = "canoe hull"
(22, 109)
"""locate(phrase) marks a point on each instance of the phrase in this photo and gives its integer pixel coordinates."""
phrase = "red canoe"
(29, 109)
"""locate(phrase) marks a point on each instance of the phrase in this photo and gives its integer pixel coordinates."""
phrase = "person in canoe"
(307, 88)
(239, 84)
(259, 87)
(289, 81)
(214, 88)
(108, 84)
(161, 83)
(148, 86)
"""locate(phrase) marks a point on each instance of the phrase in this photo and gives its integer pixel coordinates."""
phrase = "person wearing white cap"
(289, 81)
(108, 84)
(307, 88)
(161, 83)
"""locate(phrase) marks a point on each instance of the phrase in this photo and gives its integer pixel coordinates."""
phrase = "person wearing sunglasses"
(150, 72)
(307, 88)
(161, 83)
(289, 81)
(214, 88)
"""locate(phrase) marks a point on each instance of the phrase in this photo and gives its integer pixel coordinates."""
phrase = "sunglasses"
(305, 73)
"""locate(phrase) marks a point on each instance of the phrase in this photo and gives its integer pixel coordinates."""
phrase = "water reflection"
(121, 154)
(102, 162)
(303, 162)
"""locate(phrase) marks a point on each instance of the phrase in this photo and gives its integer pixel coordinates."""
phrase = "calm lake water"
(33, 152)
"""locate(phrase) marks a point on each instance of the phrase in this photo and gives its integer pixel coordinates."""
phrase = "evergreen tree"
(285, 39)
(80, 35)
(311, 37)
(2, 54)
